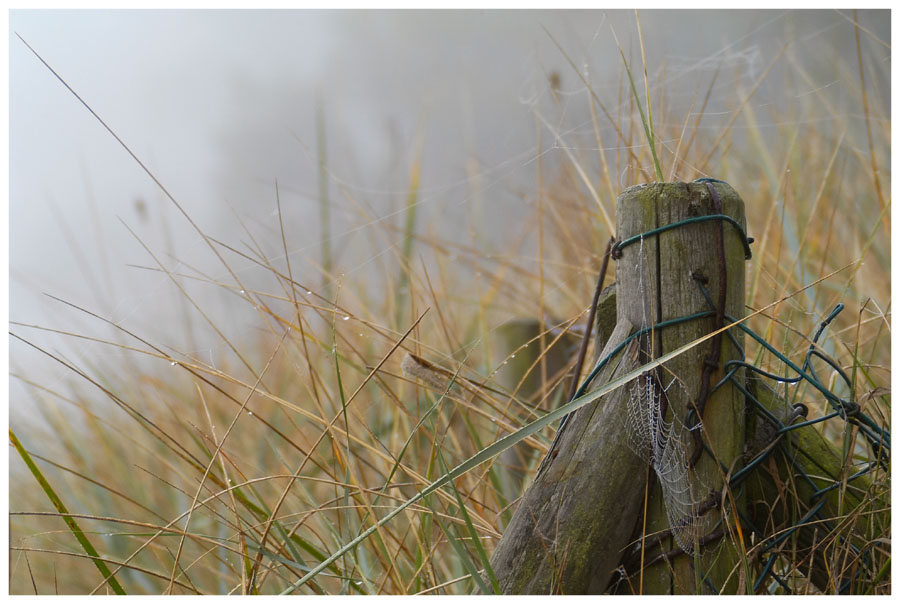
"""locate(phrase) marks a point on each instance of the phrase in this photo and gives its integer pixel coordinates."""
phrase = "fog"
(221, 105)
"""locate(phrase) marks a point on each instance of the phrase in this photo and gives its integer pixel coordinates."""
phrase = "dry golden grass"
(238, 474)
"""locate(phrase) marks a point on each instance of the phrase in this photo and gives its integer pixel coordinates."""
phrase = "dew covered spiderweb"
(660, 438)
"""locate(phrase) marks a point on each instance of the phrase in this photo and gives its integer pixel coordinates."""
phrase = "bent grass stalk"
(508, 441)
(267, 527)
(67, 518)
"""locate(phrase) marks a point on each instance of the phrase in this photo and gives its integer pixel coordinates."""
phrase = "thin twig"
(573, 387)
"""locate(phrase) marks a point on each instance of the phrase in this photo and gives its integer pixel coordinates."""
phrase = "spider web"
(660, 438)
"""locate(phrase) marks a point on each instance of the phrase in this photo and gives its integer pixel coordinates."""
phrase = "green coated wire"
(849, 411)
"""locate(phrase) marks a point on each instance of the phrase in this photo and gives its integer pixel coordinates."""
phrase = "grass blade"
(324, 205)
(509, 440)
(476, 541)
(648, 126)
(70, 522)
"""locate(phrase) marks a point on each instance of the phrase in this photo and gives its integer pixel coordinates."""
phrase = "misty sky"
(221, 104)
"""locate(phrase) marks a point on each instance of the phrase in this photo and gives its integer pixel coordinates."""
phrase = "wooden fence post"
(575, 521)
(672, 269)
(568, 530)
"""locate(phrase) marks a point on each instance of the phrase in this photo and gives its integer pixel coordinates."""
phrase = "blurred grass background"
(297, 432)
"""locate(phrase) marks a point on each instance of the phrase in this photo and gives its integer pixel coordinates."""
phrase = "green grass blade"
(476, 540)
(501, 445)
(884, 570)
(460, 550)
(346, 497)
(409, 231)
(324, 205)
(648, 127)
(412, 433)
(70, 522)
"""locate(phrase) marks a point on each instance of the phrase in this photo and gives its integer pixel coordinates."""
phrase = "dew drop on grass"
(347, 318)
(504, 362)
(243, 292)
(173, 363)
(512, 356)
(249, 413)
(308, 293)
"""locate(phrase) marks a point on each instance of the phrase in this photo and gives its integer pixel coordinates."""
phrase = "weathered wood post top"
(680, 256)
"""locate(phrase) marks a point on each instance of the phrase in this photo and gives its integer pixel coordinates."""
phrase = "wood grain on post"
(604, 320)
(667, 268)
(724, 414)
(567, 532)
(777, 495)
(574, 522)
